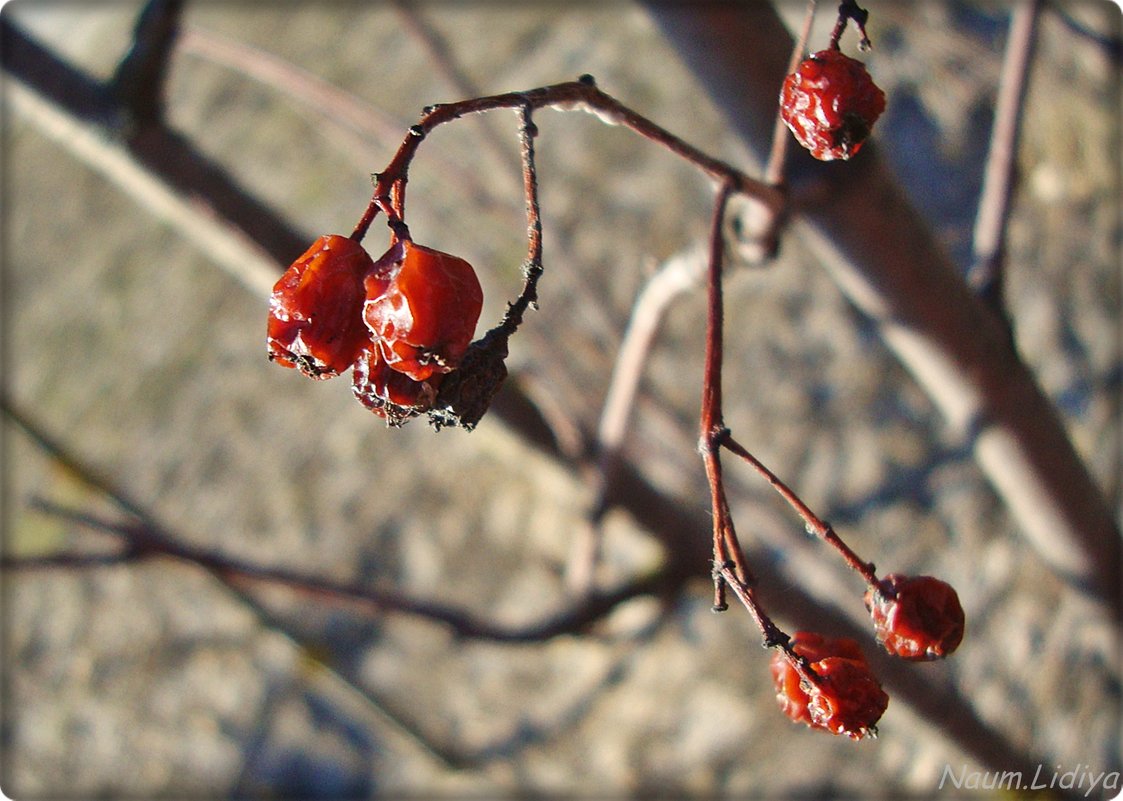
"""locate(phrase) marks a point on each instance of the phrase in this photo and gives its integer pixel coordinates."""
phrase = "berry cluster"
(827, 683)
(830, 103)
(402, 322)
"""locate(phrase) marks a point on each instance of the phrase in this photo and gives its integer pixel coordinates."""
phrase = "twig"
(390, 183)
(727, 551)
(777, 154)
(814, 524)
(139, 80)
(533, 267)
(143, 540)
(848, 11)
(987, 271)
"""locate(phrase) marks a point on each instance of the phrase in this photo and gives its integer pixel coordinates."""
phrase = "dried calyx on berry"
(916, 617)
(389, 394)
(830, 103)
(838, 694)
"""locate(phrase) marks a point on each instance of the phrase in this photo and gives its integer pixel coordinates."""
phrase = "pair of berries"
(402, 322)
(830, 103)
(915, 618)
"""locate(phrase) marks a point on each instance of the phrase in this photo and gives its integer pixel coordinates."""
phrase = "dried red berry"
(846, 699)
(315, 312)
(830, 103)
(388, 393)
(425, 316)
(916, 617)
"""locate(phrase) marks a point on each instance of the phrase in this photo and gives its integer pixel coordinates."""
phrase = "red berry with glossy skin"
(916, 617)
(846, 699)
(315, 312)
(830, 103)
(793, 694)
(425, 316)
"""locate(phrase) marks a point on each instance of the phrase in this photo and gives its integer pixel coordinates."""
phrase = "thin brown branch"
(68, 561)
(987, 272)
(781, 138)
(815, 525)
(727, 550)
(144, 540)
(583, 95)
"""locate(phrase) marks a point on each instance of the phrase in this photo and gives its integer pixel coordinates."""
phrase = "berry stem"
(849, 10)
(778, 153)
(583, 94)
(533, 268)
(774, 636)
(814, 524)
(727, 550)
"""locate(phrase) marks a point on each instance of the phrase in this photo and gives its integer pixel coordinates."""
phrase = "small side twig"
(815, 525)
(987, 273)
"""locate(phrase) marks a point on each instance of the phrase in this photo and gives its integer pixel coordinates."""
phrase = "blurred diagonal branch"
(683, 531)
(144, 539)
(165, 158)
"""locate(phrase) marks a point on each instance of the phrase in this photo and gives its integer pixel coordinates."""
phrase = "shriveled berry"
(846, 698)
(916, 617)
(830, 103)
(425, 316)
(388, 393)
(791, 692)
(315, 312)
